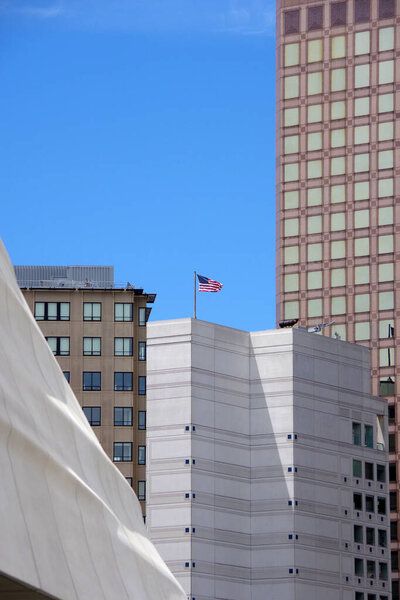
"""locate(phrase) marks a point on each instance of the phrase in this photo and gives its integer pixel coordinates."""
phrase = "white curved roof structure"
(70, 526)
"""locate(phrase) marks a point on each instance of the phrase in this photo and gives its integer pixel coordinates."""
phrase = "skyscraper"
(338, 185)
(96, 328)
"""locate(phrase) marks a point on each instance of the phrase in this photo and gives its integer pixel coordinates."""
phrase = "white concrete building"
(267, 464)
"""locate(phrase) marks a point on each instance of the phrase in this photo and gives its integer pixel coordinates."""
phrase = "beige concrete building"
(96, 328)
(338, 184)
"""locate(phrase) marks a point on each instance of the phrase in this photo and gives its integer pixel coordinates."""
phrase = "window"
(291, 87)
(291, 144)
(123, 382)
(292, 21)
(292, 54)
(362, 331)
(386, 71)
(91, 381)
(357, 501)
(370, 536)
(93, 414)
(123, 311)
(141, 490)
(392, 442)
(314, 18)
(357, 468)
(369, 470)
(142, 385)
(361, 302)
(369, 504)
(338, 110)
(314, 307)
(393, 530)
(129, 480)
(359, 567)
(357, 434)
(361, 106)
(123, 346)
(291, 282)
(338, 305)
(361, 275)
(314, 113)
(392, 471)
(338, 221)
(385, 159)
(362, 43)
(141, 419)
(383, 571)
(361, 11)
(314, 83)
(291, 255)
(358, 534)
(91, 346)
(52, 311)
(338, 277)
(92, 311)
(368, 436)
(386, 131)
(380, 473)
(123, 416)
(382, 538)
(385, 103)
(314, 51)
(291, 172)
(291, 310)
(291, 117)
(395, 560)
(361, 134)
(291, 199)
(338, 80)
(291, 227)
(338, 14)
(359, 596)
(393, 500)
(338, 46)
(142, 351)
(381, 506)
(122, 451)
(314, 141)
(67, 375)
(386, 9)
(361, 76)
(141, 455)
(385, 217)
(371, 570)
(59, 345)
(314, 280)
(391, 412)
(142, 316)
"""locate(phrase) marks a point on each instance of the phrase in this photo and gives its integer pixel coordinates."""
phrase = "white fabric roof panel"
(70, 524)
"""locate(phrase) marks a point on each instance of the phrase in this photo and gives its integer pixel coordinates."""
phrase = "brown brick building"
(338, 186)
(97, 331)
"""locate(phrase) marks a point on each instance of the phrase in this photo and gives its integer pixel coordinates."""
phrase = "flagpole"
(194, 296)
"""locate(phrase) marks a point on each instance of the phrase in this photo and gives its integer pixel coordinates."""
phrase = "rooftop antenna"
(319, 327)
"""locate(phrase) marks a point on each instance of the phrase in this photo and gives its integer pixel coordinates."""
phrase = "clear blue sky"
(140, 133)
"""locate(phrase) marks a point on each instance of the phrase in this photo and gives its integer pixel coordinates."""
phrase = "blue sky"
(140, 133)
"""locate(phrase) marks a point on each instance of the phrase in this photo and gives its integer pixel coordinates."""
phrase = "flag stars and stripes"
(208, 285)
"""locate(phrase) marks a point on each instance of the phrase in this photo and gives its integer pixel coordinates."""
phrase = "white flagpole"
(194, 297)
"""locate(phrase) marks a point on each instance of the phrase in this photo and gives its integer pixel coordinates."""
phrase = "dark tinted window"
(314, 18)
(386, 9)
(292, 21)
(338, 13)
(393, 500)
(361, 11)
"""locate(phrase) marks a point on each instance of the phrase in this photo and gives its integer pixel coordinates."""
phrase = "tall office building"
(96, 328)
(259, 484)
(338, 184)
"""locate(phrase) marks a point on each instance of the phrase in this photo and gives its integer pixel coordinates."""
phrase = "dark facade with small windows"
(96, 328)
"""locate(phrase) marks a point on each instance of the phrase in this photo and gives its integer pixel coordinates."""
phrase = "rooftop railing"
(71, 284)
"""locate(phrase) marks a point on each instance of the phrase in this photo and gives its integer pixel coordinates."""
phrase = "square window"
(362, 331)
(386, 10)
(338, 110)
(361, 11)
(314, 252)
(314, 196)
(93, 415)
(123, 346)
(92, 311)
(122, 452)
(292, 54)
(91, 346)
(291, 172)
(386, 38)
(385, 215)
(385, 159)
(338, 305)
(314, 169)
(59, 345)
(291, 255)
(361, 303)
(291, 87)
(338, 194)
(338, 138)
(361, 246)
(385, 103)
(338, 249)
(291, 144)
(314, 224)
(291, 227)
(123, 311)
(338, 46)
(292, 21)
(362, 43)
(361, 218)
(386, 272)
(291, 199)
(123, 381)
(385, 72)
(314, 18)
(338, 14)
(386, 300)
(338, 165)
(291, 310)
(315, 307)
(385, 187)
(291, 117)
(314, 53)
(314, 141)
(385, 244)
(361, 190)
(123, 416)
(386, 357)
(314, 280)
(361, 76)
(386, 328)
(338, 277)
(361, 275)
(91, 381)
(314, 113)
(338, 221)
(338, 80)
(361, 134)
(361, 106)
(291, 282)
(314, 83)
(361, 163)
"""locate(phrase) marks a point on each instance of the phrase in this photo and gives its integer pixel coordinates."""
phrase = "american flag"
(208, 285)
